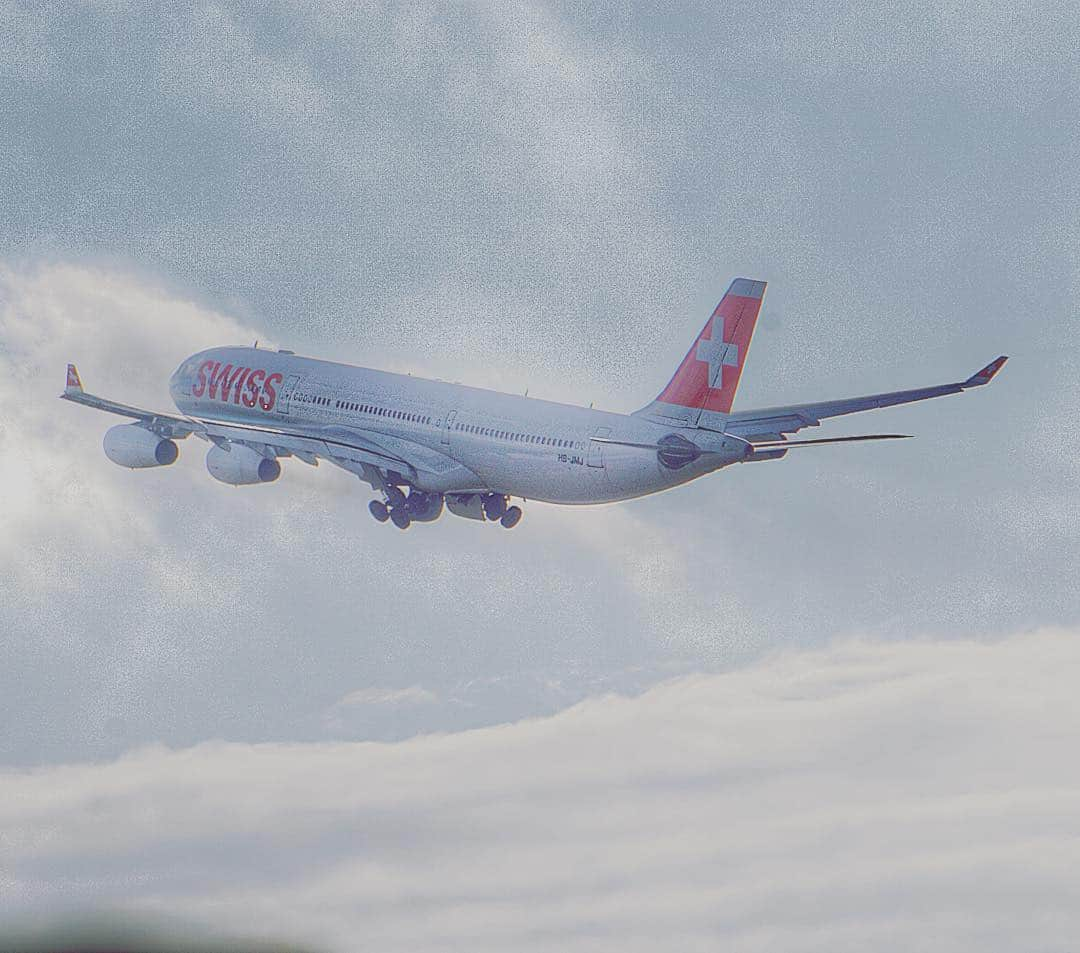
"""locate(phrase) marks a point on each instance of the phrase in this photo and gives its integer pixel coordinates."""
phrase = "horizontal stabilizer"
(788, 444)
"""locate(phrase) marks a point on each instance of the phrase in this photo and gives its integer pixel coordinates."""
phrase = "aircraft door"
(448, 425)
(596, 450)
(287, 392)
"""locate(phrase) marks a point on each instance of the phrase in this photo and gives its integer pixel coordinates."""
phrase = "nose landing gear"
(511, 517)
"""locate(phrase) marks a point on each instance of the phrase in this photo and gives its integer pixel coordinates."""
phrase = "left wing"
(164, 425)
(774, 421)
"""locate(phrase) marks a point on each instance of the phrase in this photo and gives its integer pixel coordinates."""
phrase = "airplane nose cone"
(180, 381)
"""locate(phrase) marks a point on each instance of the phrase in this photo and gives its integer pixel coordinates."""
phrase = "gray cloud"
(523, 196)
(915, 795)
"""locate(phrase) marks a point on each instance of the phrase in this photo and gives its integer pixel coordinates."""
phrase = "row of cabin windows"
(311, 399)
(383, 412)
(421, 419)
(518, 437)
(364, 408)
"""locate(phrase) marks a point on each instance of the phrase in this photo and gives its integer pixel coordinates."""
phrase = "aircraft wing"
(359, 451)
(169, 426)
(349, 448)
(774, 421)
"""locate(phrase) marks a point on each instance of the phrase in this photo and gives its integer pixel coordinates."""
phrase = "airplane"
(425, 444)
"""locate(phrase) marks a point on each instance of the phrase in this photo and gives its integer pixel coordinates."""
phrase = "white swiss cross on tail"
(717, 354)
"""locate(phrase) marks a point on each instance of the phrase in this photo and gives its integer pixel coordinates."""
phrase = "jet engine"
(241, 466)
(129, 445)
(425, 507)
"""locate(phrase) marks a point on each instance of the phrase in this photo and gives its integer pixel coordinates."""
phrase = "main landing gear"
(403, 511)
(421, 507)
(497, 509)
(396, 512)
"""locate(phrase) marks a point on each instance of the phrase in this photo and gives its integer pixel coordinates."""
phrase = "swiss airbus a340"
(423, 445)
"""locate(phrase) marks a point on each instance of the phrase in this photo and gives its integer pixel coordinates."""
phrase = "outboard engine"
(129, 445)
(239, 465)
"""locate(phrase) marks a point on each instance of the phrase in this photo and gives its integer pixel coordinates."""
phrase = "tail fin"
(708, 376)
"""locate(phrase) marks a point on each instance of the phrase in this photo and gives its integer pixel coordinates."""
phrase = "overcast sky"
(549, 196)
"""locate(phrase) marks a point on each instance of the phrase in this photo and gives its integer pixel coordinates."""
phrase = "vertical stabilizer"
(703, 389)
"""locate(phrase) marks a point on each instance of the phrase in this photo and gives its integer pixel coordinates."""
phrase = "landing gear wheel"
(399, 516)
(511, 517)
(377, 508)
(494, 506)
(394, 496)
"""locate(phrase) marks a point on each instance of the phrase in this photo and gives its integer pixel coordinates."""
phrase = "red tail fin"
(709, 374)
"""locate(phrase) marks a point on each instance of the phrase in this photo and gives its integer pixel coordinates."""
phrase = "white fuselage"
(518, 446)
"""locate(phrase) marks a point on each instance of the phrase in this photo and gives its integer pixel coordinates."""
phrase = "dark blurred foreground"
(119, 933)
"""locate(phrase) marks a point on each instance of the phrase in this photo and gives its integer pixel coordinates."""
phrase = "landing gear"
(398, 509)
(426, 506)
(494, 506)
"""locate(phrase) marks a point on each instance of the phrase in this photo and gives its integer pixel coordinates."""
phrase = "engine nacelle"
(470, 506)
(241, 466)
(129, 445)
(425, 507)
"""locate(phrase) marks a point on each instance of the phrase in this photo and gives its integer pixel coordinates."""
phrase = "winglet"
(74, 385)
(986, 374)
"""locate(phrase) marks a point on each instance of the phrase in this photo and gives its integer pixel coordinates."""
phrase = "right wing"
(774, 421)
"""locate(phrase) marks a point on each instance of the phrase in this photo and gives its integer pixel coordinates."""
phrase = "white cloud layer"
(921, 796)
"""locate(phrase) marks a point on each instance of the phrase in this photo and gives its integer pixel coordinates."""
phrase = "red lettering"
(251, 391)
(227, 380)
(240, 385)
(269, 394)
(218, 376)
(199, 386)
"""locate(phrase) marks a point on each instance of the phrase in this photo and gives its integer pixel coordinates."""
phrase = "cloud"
(160, 605)
(413, 695)
(914, 796)
(519, 196)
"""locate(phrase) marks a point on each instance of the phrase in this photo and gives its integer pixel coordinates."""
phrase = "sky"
(552, 197)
